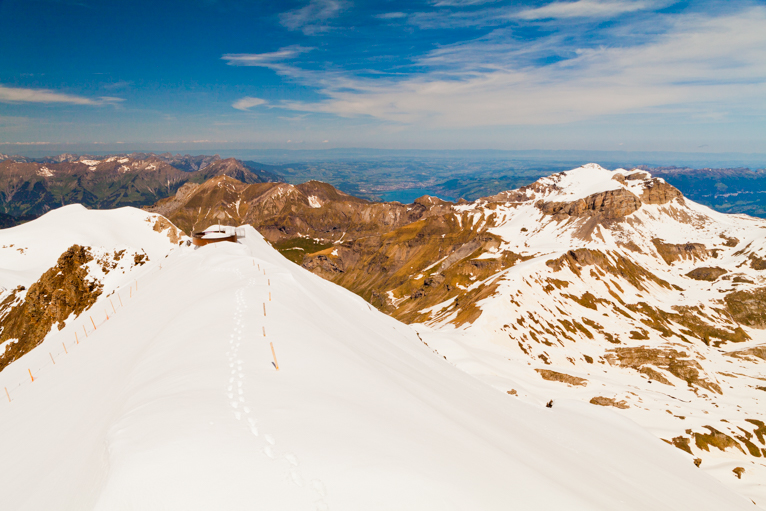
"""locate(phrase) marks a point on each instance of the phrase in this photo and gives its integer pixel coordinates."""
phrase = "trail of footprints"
(243, 411)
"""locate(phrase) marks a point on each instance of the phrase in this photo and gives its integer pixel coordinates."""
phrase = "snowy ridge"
(173, 403)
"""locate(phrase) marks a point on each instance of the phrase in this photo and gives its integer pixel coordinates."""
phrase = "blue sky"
(638, 75)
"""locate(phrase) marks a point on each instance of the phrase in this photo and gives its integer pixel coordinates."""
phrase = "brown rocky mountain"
(31, 188)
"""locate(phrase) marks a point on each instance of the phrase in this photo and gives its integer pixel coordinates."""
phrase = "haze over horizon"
(593, 75)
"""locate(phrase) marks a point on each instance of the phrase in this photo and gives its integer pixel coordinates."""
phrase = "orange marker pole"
(264, 309)
(94, 323)
(276, 364)
(76, 339)
(65, 351)
(264, 331)
(269, 295)
(54, 362)
(131, 291)
(107, 314)
(268, 281)
(114, 311)
(118, 296)
(86, 332)
(6, 393)
(30, 374)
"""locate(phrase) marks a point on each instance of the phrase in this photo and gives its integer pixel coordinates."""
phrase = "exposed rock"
(657, 191)
(748, 307)
(549, 375)
(162, 224)
(716, 439)
(672, 252)
(677, 363)
(609, 205)
(62, 290)
(708, 273)
(609, 401)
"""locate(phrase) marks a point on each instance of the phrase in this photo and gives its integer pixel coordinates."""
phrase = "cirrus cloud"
(25, 95)
(247, 103)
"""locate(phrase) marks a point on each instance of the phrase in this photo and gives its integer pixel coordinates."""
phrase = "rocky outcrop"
(609, 205)
(707, 273)
(61, 291)
(748, 307)
(657, 191)
(675, 252)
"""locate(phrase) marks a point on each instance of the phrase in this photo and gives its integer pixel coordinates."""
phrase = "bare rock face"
(61, 291)
(748, 307)
(707, 273)
(657, 191)
(610, 205)
(676, 252)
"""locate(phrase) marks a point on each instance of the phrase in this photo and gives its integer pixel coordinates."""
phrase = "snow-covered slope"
(622, 294)
(173, 403)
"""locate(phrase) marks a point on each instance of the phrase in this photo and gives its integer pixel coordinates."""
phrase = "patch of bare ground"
(162, 224)
(613, 263)
(549, 375)
(692, 319)
(706, 273)
(678, 363)
(748, 307)
(715, 438)
(676, 252)
(62, 290)
(609, 401)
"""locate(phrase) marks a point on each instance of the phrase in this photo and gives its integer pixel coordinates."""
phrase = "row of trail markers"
(77, 337)
(271, 344)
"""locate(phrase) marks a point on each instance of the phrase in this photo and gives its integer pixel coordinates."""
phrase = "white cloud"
(264, 59)
(24, 95)
(312, 19)
(391, 15)
(701, 66)
(585, 9)
(247, 103)
(460, 3)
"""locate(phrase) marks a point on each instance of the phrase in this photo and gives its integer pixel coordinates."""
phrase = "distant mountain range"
(29, 188)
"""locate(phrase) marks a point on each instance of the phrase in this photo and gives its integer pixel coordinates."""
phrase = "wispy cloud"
(313, 18)
(24, 95)
(391, 15)
(461, 3)
(585, 9)
(700, 64)
(247, 103)
(265, 59)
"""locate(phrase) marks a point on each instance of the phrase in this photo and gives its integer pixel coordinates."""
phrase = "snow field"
(175, 404)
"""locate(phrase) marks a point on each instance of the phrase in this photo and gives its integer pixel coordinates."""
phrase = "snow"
(44, 171)
(90, 163)
(173, 403)
(45, 239)
(581, 182)
(314, 201)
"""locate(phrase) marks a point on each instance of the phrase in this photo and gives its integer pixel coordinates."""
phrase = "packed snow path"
(175, 404)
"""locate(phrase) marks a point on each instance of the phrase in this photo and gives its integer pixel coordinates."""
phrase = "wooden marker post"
(65, 351)
(114, 311)
(93, 322)
(30, 374)
(6, 393)
(276, 364)
(264, 308)
(54, 362)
